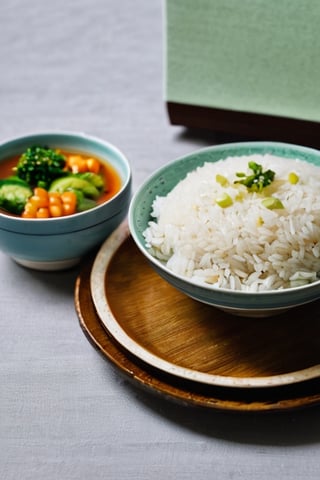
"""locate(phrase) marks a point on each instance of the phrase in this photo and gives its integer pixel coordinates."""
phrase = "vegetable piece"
(78, 164)
(39, 166)
(75, 182)
(293, 178)
(258, 180)
(259, 222)
(84, 203)
(47, 205)
(223, 181)
(272, 203)
(14, 193)
(69, 202)
(37, 205)
(93, 165)
(40, 197)
(93, 178)
(43, 212)
(224, 200)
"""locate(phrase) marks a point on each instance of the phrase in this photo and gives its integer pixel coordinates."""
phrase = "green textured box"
(248, 66)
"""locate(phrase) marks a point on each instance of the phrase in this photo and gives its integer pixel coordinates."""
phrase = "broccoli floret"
(39, 166)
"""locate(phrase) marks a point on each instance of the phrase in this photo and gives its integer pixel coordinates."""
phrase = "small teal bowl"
(261, 304)
(60, 243)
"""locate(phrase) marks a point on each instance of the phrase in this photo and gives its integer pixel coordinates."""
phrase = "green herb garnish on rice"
(258, 180)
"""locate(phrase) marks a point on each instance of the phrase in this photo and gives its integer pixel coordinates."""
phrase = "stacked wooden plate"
(191, 352)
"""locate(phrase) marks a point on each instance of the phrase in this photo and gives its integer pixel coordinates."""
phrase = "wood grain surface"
(199, 337)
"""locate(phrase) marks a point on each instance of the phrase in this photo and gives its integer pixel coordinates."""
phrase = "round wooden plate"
(178, 335)
(242, 348)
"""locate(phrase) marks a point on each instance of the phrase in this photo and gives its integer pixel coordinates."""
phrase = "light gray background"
(97, 66)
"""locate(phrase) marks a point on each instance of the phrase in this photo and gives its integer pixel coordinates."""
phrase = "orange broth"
(110, 175)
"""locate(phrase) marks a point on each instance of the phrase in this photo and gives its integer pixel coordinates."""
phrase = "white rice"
(244, 246)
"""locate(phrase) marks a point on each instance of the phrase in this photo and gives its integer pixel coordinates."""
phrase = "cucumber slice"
(94, 179)
(14, 194)
(73, 182)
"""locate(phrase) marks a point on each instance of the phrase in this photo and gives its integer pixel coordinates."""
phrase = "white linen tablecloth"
(65, 413)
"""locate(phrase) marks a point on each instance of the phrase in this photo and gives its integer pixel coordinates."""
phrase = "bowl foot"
(48, 266)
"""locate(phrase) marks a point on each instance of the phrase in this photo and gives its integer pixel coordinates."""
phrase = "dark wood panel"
(251, 125)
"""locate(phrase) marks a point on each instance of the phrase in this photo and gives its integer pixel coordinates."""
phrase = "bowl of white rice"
(235, 226)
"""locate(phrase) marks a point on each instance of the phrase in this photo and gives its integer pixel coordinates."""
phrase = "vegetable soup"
(45, 183)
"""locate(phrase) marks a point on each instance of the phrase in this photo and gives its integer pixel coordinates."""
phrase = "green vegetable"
(84, 203)
(39, 166)
(223, 181)
(75, 182)
(224, 201)
(272, 203)
(293, 178)
(14, 194)
(258, 180)
(93, 178)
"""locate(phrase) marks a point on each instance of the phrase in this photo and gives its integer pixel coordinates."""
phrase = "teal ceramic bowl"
(242, 303)
(59, 243)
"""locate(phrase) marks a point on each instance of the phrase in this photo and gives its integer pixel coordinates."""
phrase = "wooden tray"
(144, 305)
